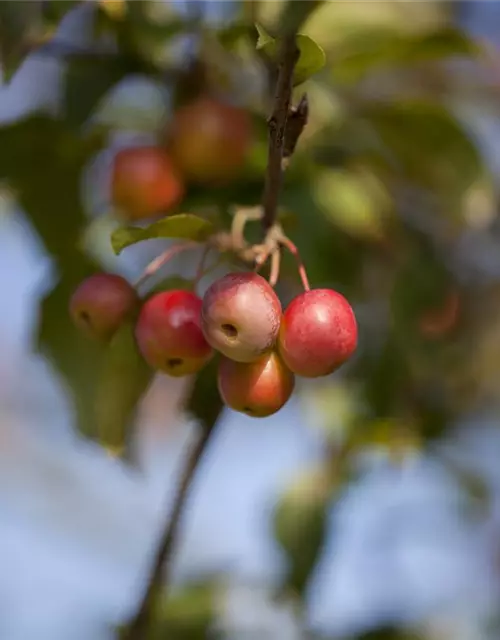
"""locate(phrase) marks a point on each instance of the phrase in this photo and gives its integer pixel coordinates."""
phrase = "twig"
(277, 126)
(286, 242)
(162, 259)
(138, 628)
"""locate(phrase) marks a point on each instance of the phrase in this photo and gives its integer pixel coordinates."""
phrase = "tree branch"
(160, 574)
(277, 127)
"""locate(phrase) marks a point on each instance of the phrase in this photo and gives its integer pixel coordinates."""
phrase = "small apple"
(209, 140)
(101, 303)
(144, 182)
(169, 335)
(258, 388)
(241, 316)
(318, 333)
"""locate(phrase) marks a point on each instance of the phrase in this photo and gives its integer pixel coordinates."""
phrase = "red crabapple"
(318, 333)
(101, 303)
(258, 388)
(169, 335)
(241, 316)
(144, 182)
(209, 140)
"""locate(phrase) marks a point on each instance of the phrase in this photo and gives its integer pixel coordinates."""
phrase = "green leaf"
(205, 403)
(300, 522)
(53, 11)
(170, 283)
(124, 379)
(87, 81)
(369, 49)
(21, 27)
(41, 160)
(427, 144)
(311, 60)
(185, 226)
(187, 613)
(265, 41)
(75, 358)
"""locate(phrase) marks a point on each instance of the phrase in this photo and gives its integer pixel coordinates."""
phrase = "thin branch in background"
(161, 572)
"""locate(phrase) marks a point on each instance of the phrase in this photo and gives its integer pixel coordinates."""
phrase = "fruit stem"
(275, 267)
(162, 259)
(286, 242)
(241, 218)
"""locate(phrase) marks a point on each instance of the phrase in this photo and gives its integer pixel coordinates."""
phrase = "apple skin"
(318, 333)
(169, 335)
(101, 303)
(258, 388)
(241, 316)
(210, 140)
(144, 183)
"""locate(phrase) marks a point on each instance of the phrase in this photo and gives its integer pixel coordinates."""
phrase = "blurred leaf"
(353, 200)
(187, 613)
(424, 300)
(389, 633)
(427, 144)
(365, 51)
(41, 160)
(300, 521)
(170, 283)
(204, 402)
(53, 11)
(87, 81)
(21, 28)
(311, 60)
(76, 358)
(185, 226)
(123, 380)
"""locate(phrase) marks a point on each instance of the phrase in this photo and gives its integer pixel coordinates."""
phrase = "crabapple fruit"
(241, 316)
(144, 182)
(101, 303)
(209, 140)
(318, 333)
(258, 388)
(169, 335)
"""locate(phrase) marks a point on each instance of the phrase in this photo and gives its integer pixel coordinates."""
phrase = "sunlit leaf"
(185, 226)
(311, 60)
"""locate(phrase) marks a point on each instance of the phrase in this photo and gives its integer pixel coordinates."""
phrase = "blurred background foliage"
(390, 197)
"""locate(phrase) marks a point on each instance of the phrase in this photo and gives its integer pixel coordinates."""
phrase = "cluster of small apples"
(206, 143)
(261, 347)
